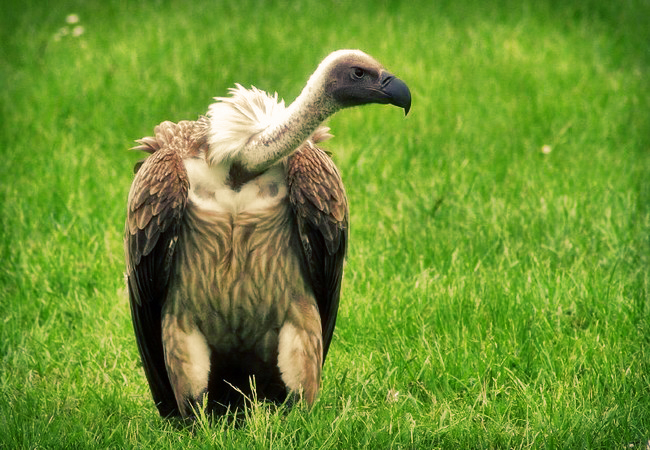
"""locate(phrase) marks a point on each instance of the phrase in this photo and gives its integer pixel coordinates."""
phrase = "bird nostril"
(386, 81)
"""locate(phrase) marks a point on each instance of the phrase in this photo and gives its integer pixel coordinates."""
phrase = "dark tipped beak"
(397, 91)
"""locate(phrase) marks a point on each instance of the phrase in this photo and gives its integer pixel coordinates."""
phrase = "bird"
(235, 239)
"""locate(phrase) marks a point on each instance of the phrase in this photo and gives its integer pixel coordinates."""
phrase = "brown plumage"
(236, 233)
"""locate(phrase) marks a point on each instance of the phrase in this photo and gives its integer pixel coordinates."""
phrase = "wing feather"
(155, 209)
(320, 206)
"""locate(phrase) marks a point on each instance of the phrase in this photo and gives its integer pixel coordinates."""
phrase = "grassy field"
(497, 290)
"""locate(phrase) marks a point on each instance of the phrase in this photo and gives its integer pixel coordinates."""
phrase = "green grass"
(495, 296)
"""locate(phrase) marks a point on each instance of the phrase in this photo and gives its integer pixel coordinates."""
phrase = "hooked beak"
(396, 91)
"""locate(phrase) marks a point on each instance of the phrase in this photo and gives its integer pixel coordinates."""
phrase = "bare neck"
(284, 135)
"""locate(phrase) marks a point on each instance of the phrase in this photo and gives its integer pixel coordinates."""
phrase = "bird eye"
(358, 73)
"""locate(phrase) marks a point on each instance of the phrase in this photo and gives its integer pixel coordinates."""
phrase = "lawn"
(497, 289)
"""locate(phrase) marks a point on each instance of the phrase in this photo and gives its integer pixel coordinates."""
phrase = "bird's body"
(235, 240)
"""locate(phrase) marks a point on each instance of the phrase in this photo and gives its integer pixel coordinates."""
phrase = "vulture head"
(352, 78)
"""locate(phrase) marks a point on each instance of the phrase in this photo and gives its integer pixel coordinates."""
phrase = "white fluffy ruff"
(235, 119)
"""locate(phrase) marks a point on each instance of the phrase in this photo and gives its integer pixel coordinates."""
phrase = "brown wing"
(156, 206)
(318, 198)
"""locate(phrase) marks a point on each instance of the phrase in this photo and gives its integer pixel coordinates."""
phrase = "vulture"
(235, 237)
